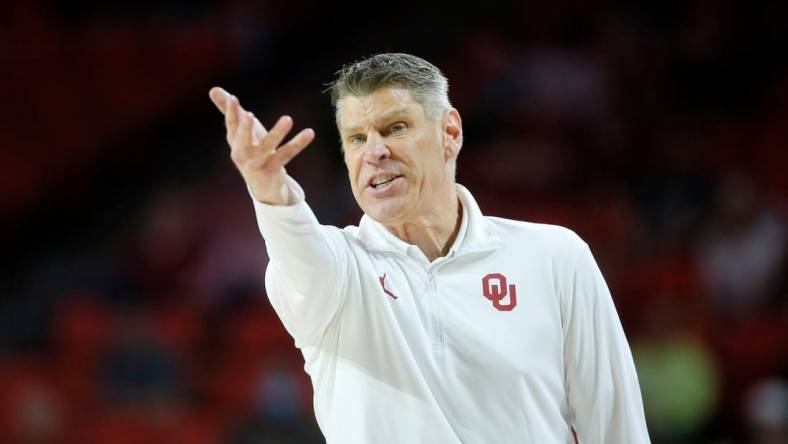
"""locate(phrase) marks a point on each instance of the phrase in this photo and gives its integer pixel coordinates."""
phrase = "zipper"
(437, 327)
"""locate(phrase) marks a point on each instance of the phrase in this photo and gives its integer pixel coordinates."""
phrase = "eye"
(397, 128)
(357, 139)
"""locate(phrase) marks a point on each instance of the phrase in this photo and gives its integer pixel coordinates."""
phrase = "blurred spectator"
(552, 80)
(36, 416)
(280, 401)
(741, 253)
(163, 245)
(137, 369)
(674, 188)
(766, 412)
(279, 393)
(232, 258)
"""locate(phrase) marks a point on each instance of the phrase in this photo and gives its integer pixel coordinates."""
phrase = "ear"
(452, 134)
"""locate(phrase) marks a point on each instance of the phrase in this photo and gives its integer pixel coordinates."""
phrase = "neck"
(435, 232)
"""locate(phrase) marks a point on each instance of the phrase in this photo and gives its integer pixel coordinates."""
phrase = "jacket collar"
(474, 234)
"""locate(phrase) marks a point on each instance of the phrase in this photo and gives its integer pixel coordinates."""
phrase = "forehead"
(355, 112)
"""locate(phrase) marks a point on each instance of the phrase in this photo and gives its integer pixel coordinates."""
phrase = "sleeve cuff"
(296, 195)
(269, 215)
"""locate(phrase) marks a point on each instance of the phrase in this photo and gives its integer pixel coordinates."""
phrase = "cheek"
(430, 162)
(353, 171)
(349, 164)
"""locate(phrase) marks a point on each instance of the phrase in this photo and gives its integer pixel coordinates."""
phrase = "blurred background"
(133, 308)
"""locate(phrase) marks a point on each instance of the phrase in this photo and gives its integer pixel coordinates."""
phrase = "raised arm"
(304, 278)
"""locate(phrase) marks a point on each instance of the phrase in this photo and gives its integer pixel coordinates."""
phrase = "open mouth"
(382, 180)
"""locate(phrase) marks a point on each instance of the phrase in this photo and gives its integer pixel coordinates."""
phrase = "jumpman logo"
(382, 280)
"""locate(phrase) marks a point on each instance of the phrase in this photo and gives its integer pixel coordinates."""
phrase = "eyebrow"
(388, 116)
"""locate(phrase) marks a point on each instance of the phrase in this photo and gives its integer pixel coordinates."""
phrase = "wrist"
(282, 196)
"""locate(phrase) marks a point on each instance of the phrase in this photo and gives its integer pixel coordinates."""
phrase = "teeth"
(382, 179)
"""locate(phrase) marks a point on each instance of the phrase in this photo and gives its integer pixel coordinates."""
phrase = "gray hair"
(426, 83)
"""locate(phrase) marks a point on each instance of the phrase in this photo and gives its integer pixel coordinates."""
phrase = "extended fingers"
(259, 130)
(288, 151)
(243, 144)
(248, 142)
(220, 98)
(229, 105)
(277, 133)
(231, 117)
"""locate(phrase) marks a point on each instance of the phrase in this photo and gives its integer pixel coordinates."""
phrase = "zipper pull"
(430, 281)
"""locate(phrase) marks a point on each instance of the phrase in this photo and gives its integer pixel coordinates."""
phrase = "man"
(429, 322)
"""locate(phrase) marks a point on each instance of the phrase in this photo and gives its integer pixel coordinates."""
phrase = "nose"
(375, 149)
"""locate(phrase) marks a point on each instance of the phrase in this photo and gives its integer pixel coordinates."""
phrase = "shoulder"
(351, 232)
(355, 237)
(543, 237)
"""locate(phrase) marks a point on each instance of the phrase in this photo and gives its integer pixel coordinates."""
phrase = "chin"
(386, 211)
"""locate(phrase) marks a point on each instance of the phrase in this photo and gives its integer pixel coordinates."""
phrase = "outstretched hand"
(259, 154)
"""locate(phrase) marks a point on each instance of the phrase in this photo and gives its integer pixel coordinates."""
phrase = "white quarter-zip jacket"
(512, 337)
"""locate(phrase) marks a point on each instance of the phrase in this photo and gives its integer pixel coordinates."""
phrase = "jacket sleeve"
(602, 385)
(304, 278)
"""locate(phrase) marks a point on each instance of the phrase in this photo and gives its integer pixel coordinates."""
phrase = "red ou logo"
(495, 289)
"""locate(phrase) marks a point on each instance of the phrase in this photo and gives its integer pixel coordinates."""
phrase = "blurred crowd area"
(133, 306)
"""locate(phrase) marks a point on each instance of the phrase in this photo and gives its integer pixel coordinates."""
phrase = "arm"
(303, 279)
(602, 385)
